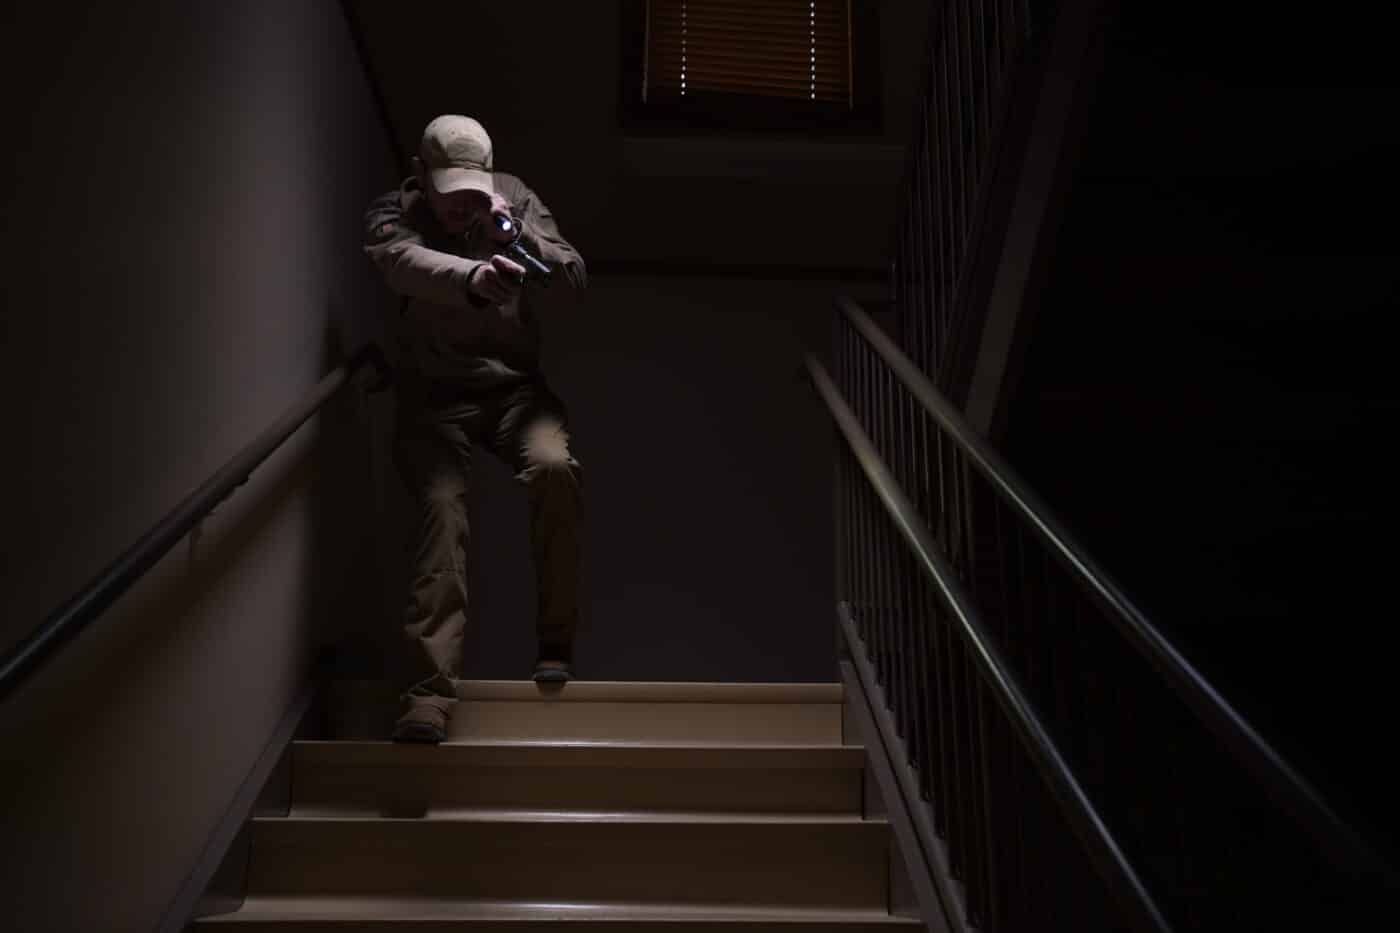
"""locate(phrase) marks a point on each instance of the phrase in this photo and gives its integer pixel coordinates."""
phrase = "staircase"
(617, 806)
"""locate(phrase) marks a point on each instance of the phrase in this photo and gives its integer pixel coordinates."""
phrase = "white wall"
(182, 254)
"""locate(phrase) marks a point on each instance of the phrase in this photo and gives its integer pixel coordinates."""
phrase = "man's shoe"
(424, 722)
(552, 671)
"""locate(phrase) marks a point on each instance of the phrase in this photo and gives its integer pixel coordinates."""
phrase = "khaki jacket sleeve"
(540, 233)
(409, 267)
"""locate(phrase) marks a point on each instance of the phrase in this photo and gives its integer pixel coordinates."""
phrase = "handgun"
(535, 270)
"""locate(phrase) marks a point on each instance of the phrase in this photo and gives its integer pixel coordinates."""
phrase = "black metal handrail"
(67, 621)
(1244, 744)
(1006, 689)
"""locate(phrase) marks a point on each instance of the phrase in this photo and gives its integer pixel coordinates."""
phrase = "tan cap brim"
(447, 180)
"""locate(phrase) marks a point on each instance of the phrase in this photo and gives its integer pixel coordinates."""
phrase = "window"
(750, 64)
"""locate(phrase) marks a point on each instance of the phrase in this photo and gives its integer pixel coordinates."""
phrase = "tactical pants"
(524, 426)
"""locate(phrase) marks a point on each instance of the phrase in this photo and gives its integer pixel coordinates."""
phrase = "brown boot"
(425, 720)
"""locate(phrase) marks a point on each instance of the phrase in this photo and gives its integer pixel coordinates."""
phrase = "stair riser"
(664, 723)
(324, 790)
(824, 865)
(587, 711)
(728, 723)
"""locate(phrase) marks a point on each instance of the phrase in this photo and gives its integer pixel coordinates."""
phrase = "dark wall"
(182, 254)
(1209, 386)
(707, 491)
(543, 77)
(707, 465)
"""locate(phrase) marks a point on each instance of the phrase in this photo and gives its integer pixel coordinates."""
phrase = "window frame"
(708, 113)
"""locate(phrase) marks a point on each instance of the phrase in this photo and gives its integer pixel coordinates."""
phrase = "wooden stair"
(610, 806)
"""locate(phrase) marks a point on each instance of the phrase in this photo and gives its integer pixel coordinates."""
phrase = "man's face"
(457, 210)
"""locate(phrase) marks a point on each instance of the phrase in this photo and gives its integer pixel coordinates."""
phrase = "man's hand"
(498, 280)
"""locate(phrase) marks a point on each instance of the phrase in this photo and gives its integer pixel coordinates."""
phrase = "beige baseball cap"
(456, 153)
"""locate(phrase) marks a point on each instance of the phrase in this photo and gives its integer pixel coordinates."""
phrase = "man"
(469, 374)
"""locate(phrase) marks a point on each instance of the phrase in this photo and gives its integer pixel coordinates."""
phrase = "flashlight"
(533, 267)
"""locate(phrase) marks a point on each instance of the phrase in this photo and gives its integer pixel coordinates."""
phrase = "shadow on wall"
(126, 708)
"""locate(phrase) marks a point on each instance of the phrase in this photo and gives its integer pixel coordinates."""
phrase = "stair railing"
(960, 595)
(68, 621)
(976, 51)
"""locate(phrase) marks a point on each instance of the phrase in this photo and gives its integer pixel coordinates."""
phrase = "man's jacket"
(448, 336)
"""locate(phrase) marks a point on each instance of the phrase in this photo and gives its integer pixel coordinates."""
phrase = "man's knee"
(443, 500)
(445, 492)
(545, 451)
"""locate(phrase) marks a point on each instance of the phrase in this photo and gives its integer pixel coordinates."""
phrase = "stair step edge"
(603, 753)
(564, 818)
(622, 691)
(265, 908)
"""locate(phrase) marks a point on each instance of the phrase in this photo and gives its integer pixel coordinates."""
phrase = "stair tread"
(263, 908)
(507, 815)
(629, 691)
(512, 815)
(601, 752)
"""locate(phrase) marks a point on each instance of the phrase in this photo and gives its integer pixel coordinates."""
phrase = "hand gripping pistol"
(535, 270)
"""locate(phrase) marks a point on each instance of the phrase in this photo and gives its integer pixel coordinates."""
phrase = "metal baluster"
(882, 536)
(944, 688)
(957, 710)
(912, 309)
(925, 207)
(996, 23)
(864, 548)
(957, 812)
(971, 805)
(1026, 639)
(987, 30)
(913, 575)
(947, 196)
(916, 666)
(898, 561)
(927, 626)
(986, 893)
(893, 547)
(843, 365)
(872, 510)
(1022, 885)
(1057, 671)
(1001, 841)
(897, 553)
(933, 170)
(919, 350)
(923, 680)
(965, 683)
(985, 78)
(972, 94)
(976, 804)
(839, 498)
(958, 94)
(909, 409)
(908, 305)
(978, 727)
(947, 222)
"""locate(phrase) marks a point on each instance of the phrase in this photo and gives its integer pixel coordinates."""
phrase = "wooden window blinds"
(793, 49)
